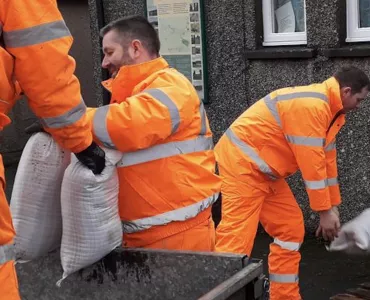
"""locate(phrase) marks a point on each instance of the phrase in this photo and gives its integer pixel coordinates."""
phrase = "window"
(358, 20)
(284, 22)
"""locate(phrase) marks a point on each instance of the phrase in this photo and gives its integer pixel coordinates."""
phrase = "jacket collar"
(130, 76)
(333, 90)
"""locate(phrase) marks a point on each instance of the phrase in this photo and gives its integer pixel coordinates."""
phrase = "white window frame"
(354, 32)
(271, 38)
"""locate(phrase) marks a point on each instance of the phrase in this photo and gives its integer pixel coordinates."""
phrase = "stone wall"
(325, 22)
(241, 72)
(236, 77)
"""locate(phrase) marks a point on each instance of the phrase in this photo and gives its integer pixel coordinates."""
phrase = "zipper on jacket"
(334, 119)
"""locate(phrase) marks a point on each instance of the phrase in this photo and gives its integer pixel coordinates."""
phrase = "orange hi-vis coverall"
(167, 175)
(289, 129)
(35, 59)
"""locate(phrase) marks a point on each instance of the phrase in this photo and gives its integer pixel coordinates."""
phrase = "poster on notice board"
(180, 26)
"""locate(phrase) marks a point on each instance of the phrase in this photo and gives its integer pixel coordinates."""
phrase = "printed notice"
(178, 23)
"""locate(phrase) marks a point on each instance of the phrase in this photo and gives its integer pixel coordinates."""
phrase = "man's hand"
(92, 157)
(329, 224)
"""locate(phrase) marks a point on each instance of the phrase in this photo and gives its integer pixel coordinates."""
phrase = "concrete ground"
(322, 274)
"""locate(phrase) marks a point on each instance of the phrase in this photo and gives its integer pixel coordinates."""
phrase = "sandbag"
(35, 200)
(91, 223)
(354, 236)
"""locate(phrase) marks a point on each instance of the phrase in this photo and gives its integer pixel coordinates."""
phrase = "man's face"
(115, 56)
(352, 101)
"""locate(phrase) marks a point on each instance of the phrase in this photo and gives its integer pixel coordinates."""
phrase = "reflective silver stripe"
(201, 143)
(36, 35)
(165, 100)
(247, 150)
(292, 246)
(301, 95)
(180, 214)
(321, 184)
(284, 278)
(306, 140)
(271, 105)
(5, 102)
(203, 117)
(100, 126)
(316, 185)
(331, 146)
(333, 181)
(67, 118)
(7, 253)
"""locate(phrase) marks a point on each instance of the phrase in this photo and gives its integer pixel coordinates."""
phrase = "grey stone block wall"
(226, 64)
(230, 98)
(113, 9)
(236, 82)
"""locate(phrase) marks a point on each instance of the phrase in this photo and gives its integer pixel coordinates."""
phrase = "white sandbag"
(354, 236)
(35, 201)
(91, 223)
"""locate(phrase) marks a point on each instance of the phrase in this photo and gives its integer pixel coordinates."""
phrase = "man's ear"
(346, 90)
(137, 47)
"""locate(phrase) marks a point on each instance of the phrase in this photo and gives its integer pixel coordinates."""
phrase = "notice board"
(180, 27)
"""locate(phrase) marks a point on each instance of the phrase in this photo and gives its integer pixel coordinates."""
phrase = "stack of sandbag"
(35, 202)
(354, 236)
(91, 223)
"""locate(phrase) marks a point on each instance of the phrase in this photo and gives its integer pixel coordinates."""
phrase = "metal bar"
(227, 288)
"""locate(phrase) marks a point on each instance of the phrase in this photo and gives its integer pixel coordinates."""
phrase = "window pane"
(364, 8)
(289, 16)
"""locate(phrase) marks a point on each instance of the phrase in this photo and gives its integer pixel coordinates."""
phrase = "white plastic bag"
(35, 201)
(91, 223)
(354, 236)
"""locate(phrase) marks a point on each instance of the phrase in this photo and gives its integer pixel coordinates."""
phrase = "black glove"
(34, 128)
(92, 157)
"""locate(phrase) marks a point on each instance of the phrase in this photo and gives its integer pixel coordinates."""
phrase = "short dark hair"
(353, 77)
(135, 27)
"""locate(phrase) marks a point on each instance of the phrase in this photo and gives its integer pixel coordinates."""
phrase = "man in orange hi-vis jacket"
(34, 45)
(167, 175)
(289, 129)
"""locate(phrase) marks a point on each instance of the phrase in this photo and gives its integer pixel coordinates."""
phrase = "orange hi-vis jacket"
(34, 45)
(167, 175)
(35, 34)
(9, 93)
(291, 129)
(10, 89)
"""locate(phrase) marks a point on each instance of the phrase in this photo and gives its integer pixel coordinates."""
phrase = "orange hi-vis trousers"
(8, 277)
(246, 203)
(8, 282)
